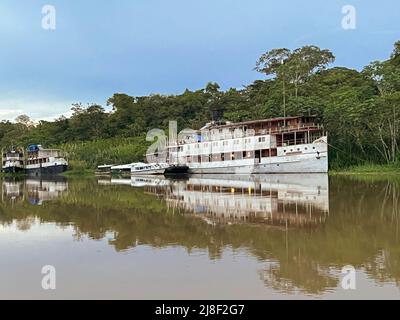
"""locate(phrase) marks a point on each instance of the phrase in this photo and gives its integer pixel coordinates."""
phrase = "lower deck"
(307, 158)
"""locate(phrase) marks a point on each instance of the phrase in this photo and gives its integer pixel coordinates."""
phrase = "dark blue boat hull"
(13, 170)
(47, 171)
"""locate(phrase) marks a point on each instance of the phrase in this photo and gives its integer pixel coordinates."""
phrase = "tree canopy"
(359, 109)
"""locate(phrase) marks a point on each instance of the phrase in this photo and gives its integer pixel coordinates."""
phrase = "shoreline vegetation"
(360, 110)
(365, 169)
(368, 169)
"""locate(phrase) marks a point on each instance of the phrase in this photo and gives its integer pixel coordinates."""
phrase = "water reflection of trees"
(362, 229)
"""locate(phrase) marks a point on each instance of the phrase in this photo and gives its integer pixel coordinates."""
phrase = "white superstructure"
(278, 145)
(148, 168)
(40, 161)
(13, 161)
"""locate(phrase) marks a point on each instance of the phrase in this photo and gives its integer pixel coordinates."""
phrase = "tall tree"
(24, 120)
(275, 62)
(304, 62)
(386, 77)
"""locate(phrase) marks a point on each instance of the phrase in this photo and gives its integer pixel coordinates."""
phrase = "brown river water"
(203, 237)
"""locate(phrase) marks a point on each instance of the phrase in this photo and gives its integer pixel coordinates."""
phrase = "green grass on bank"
(89, 154)
(387, 169)
(78, 173)
(16, 175)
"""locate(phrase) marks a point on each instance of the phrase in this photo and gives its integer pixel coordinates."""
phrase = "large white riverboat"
(277, 145)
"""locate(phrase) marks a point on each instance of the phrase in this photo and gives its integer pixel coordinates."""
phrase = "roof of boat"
(141, 164)
(234, 124)
(131, 165)
(124, 166)
(105, 166)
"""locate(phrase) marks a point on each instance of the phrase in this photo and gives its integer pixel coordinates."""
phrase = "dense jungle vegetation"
(359, 109)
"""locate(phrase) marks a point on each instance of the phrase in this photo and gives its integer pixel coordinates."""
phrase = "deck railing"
(286, 129)
(257, 132)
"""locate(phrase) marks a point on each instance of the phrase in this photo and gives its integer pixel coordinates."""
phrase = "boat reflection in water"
(272, 199)
(12, 191)
(35, 191)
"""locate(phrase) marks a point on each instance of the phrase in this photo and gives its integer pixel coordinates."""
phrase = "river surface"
(205, 237)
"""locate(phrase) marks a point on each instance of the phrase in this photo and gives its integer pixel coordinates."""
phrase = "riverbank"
(78, 169)
(3, 175)
(368, 169)
(78, 173)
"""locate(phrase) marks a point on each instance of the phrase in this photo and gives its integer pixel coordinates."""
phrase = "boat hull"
(124, 172)
(177, 170)
(47, 171)
(148, 172)
(13, 170)
(303, 164)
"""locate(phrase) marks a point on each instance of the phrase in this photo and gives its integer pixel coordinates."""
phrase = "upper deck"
(288, 128)
(12, 156)
(37, 151)
(268, 126)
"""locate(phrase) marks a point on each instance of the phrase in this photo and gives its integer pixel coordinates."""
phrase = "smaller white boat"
(104, 169)
(149, 168)
(123, 168)
(13, 161)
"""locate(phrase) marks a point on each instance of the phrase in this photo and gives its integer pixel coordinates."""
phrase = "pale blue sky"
(158, 46)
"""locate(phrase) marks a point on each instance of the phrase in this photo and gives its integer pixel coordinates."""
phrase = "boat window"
(265, 153)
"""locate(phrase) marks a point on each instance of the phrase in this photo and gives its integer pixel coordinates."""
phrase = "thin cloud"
(9, 114)
(36, 110)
